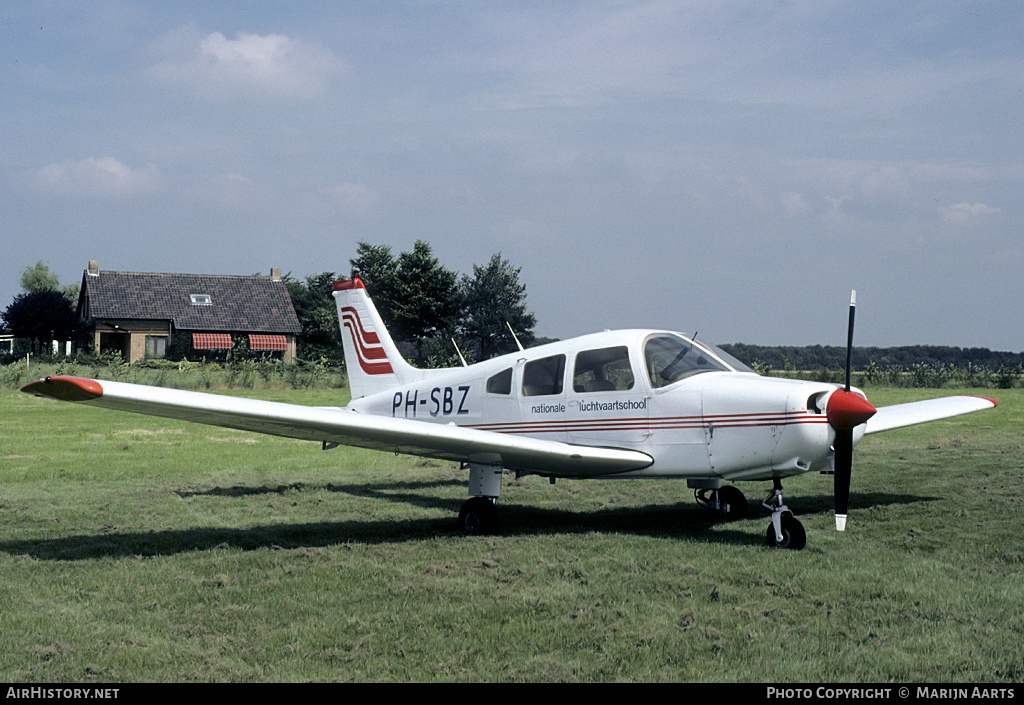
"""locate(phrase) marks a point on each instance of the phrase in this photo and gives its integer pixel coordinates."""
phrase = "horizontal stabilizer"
(900, 415)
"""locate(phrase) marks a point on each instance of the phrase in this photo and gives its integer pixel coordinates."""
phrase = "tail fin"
(373, 361)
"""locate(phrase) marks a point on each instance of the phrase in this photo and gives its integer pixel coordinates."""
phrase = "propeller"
(845, 411)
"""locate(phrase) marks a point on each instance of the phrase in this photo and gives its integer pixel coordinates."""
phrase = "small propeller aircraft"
(617, 404)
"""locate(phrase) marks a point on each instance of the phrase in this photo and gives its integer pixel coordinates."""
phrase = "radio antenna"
(514, 336)
(459, 352)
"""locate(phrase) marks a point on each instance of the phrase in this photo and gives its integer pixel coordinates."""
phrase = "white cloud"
(963, 213)
(234, 191)
(745, 188)
(105, 177)
(348, 199)
(794, 203)
(251, 65)
(886, 184)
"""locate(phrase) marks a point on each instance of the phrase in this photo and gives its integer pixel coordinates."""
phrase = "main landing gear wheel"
(732, 505)
(479, 516)
(727, 502)
(793, 535)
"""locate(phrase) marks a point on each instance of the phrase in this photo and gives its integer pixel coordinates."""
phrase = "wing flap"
(345, 427)
(900, 415)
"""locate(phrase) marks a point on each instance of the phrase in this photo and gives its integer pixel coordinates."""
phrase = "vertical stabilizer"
(371, 356)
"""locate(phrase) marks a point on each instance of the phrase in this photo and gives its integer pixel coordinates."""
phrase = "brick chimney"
(94, 268)
(275, 274)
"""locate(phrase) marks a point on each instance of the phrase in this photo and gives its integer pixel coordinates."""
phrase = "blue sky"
(733, 168)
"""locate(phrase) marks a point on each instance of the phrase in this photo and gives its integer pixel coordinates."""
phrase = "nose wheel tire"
(793, 535)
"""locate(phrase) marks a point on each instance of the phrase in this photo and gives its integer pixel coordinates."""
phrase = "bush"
(13, 375)
(1005, 378)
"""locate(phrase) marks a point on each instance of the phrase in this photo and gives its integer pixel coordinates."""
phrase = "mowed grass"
(139, 549)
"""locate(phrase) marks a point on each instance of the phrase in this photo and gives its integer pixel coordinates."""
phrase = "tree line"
(813, 357)
(429, 309)
(907, 366)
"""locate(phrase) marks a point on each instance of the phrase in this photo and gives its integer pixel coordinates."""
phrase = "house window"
(156, 347)
(201, 299)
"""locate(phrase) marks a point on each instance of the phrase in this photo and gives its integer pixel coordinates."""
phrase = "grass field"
(141, 549)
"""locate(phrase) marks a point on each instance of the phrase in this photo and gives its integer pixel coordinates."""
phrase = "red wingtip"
(65, 388)
(848, 410)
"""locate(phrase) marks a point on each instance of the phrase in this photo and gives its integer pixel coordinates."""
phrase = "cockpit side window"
(500, 383)
(671, 358)
(544, 376)
(603, 370)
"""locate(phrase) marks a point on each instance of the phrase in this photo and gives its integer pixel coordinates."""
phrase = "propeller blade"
(843, 467)
(849, 337)
(845, 411)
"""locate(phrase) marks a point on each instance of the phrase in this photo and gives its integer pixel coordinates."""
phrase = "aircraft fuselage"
(710, 418)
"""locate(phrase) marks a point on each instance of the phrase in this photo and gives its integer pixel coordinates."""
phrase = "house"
(145, 315)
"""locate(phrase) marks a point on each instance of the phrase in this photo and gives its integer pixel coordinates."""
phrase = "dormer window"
(201, 299)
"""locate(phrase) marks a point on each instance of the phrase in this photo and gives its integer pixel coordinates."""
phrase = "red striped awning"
(211, 341)
(267, 342)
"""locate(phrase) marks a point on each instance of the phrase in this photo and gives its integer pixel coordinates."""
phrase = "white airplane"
(618, 404)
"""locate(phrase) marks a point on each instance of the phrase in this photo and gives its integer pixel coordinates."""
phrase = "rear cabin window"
(603, 370)
(500, 383)
(544, 376)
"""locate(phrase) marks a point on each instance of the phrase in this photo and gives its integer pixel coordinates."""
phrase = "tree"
(495, 299)
(43, 316)
(39, 278)
(318, 315)
(377, 268)
(428, 302)
(416, 296)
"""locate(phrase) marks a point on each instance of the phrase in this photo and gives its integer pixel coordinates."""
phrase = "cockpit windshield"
(671, 358)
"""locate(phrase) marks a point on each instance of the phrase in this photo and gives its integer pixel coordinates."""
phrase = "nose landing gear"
(785, 530)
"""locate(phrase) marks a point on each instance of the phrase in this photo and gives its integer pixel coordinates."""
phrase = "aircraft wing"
(899, 415)
(346, 427)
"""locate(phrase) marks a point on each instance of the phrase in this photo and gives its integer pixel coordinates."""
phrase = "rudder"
(372, 358)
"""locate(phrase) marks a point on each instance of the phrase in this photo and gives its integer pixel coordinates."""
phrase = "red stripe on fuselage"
(718, 421)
